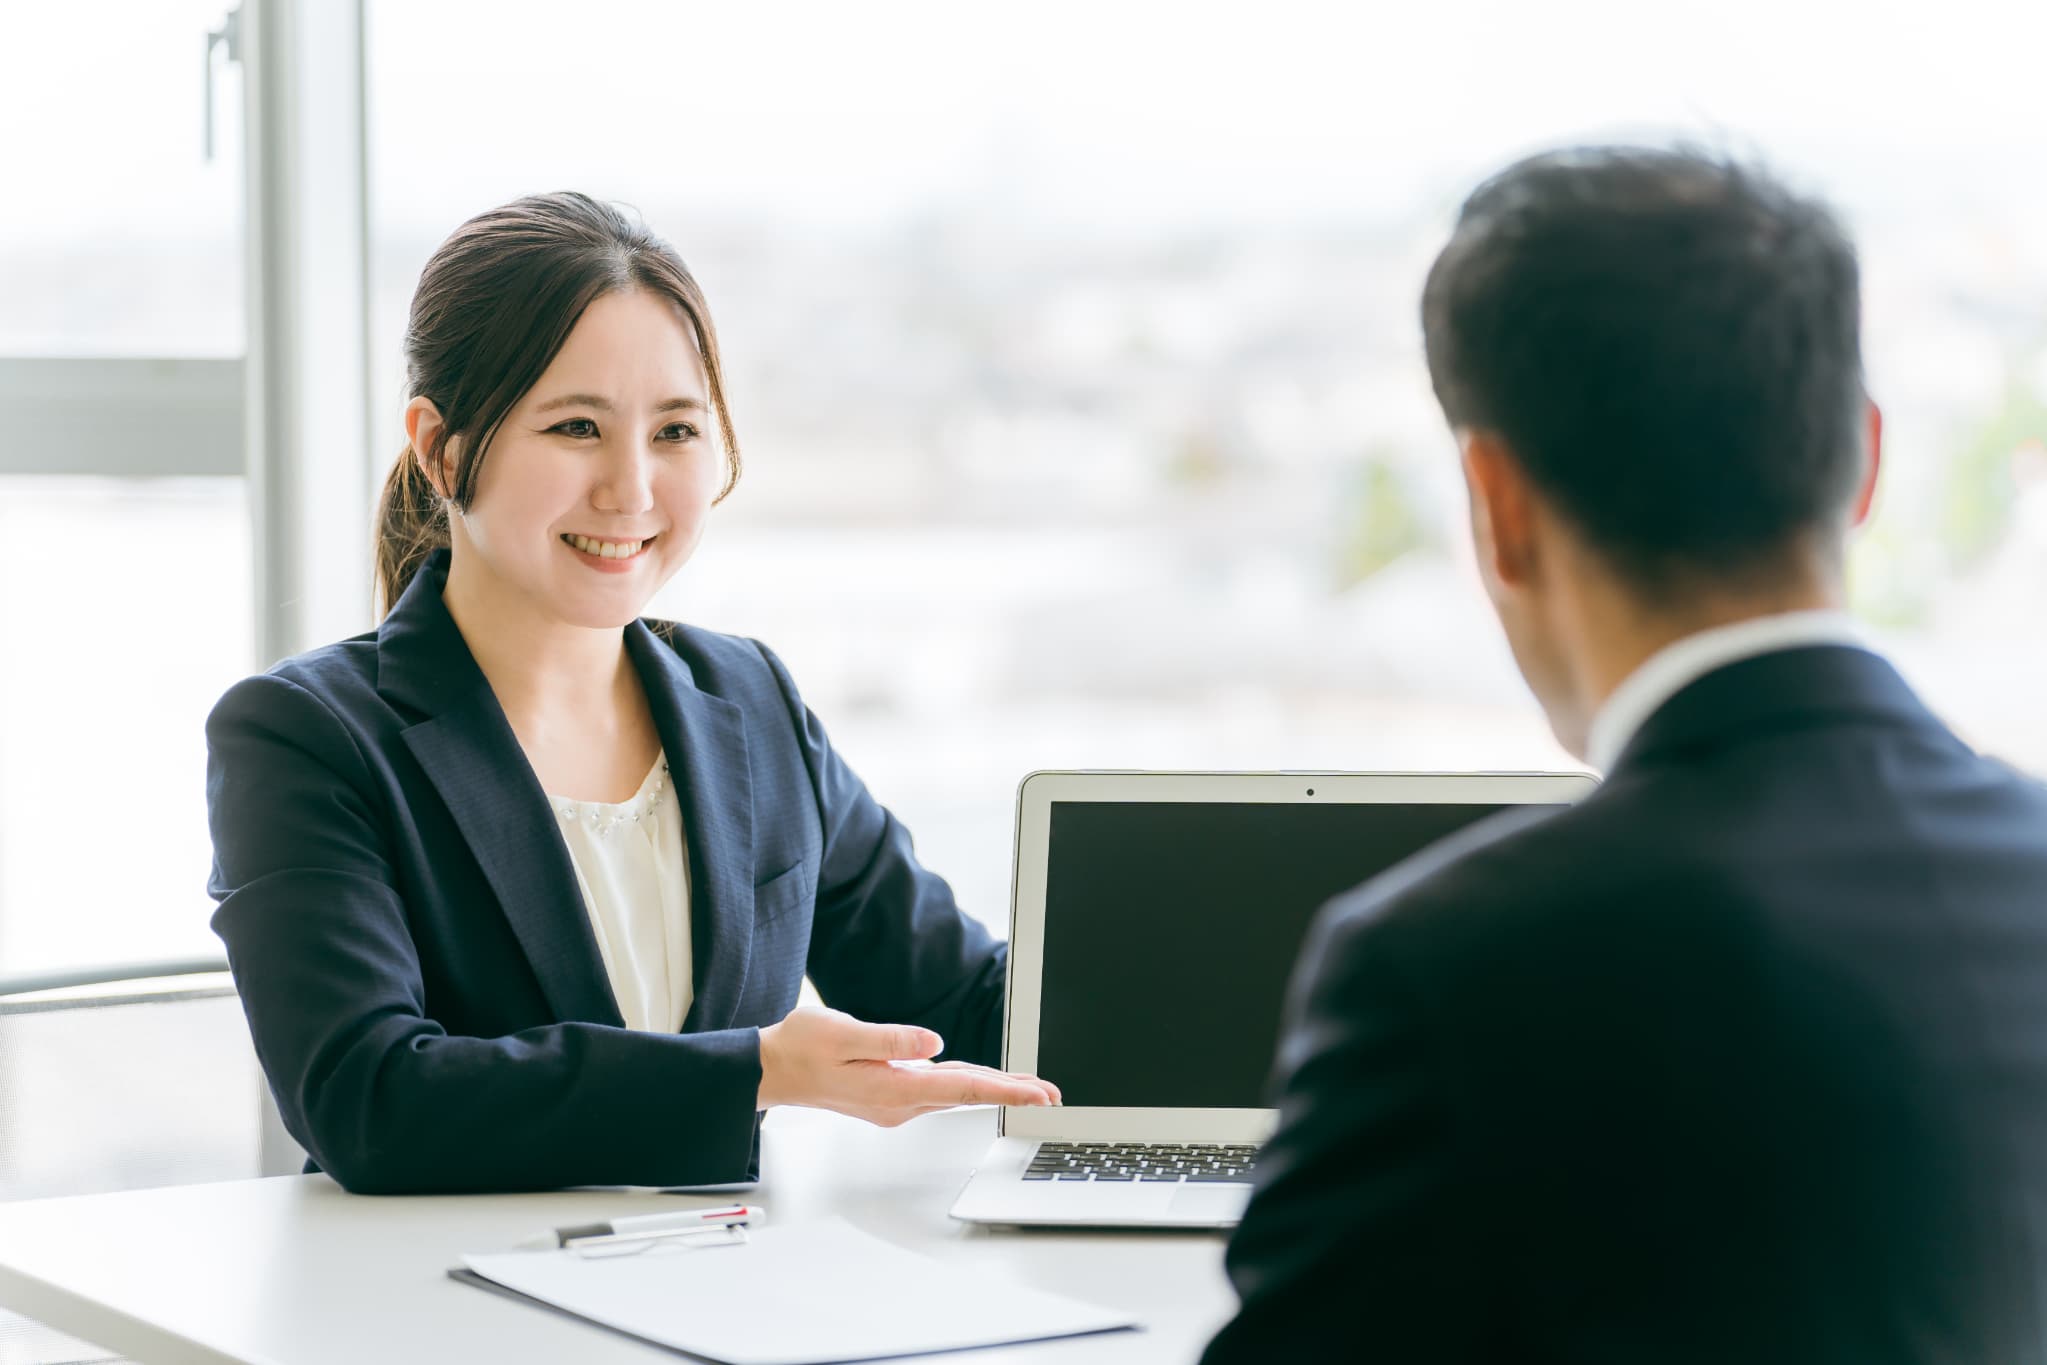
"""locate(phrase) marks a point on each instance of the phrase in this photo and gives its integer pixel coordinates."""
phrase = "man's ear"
(1502, 510)
(422, 424)
(1865, 499)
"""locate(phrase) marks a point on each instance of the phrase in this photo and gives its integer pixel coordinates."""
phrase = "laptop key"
(1073, 1175)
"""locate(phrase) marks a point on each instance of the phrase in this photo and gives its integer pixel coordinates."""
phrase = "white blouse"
(632, 865)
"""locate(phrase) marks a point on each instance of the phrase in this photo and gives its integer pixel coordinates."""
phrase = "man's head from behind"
(1651, 362)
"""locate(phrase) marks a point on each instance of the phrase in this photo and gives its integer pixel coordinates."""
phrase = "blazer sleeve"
(1353, 1245)
(378, 1093)
(889, 943)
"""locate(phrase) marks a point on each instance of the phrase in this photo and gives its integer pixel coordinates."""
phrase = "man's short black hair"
(1668, 344)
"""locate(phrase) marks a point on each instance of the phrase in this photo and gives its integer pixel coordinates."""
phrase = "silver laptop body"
(1154, 922)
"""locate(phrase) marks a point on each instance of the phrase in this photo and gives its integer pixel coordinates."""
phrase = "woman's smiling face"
(596, 488)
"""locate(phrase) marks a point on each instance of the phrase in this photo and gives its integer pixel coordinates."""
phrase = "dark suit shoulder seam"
(333, 716)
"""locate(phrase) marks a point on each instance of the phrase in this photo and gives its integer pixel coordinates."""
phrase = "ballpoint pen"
(648, 1225)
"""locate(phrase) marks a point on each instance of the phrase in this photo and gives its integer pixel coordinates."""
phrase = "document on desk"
(810, 1294)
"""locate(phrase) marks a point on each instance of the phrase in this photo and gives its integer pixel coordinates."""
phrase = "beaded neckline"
(602, 817)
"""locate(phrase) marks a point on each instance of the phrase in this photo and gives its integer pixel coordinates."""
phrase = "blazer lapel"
(469, 753)
(705, 739)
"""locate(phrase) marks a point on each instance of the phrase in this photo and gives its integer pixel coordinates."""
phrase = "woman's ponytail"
(411, 525)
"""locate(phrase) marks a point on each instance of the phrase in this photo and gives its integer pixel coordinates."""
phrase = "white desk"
(293, 1271)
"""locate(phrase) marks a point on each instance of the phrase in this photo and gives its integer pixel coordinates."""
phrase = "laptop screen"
(1171, 930)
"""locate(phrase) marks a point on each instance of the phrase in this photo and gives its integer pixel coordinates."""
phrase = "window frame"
(292, 414)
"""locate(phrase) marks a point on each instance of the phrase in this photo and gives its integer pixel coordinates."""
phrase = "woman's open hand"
(824, 1059)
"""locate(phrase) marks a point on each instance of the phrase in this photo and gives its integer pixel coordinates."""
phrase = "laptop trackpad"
(1210, 1203)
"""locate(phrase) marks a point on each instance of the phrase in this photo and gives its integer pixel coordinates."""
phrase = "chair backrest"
(125, 1078)
(120, 1079)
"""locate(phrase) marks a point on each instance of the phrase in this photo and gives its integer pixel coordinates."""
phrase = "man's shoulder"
(1697, 862)
(1523, 876)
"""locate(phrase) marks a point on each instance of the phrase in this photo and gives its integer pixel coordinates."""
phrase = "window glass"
(126, 608)
(1075, 354)
(119, 236)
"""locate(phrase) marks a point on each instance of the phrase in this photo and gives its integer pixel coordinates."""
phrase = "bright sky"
(1103, 114)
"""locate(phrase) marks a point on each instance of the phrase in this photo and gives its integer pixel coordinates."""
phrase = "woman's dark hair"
(494, 305)
(1668, 344)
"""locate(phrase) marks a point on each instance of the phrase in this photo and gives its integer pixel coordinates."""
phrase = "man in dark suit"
(1744, 1057)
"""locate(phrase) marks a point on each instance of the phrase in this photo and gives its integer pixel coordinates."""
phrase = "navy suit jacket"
(1742, 1058)
(417, 965)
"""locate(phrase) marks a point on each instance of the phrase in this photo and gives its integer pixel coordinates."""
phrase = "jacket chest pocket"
(780, 895)
(781, 946)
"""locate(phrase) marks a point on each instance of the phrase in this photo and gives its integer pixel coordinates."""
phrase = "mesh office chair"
(115, 1080)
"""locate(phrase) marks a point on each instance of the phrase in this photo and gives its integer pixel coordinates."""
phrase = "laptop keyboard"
(1190, 1162)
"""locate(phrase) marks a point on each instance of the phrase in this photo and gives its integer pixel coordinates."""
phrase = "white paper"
(802, 1295)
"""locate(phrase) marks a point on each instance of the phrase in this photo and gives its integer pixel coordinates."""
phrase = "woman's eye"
(679, 431)
(579, 427)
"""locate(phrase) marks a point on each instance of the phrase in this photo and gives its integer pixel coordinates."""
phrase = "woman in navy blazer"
(419, 968)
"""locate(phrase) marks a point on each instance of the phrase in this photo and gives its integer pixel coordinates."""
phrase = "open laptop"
(1154, 923)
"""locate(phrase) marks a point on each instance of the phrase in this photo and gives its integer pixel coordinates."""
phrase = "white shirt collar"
(1682, 662)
